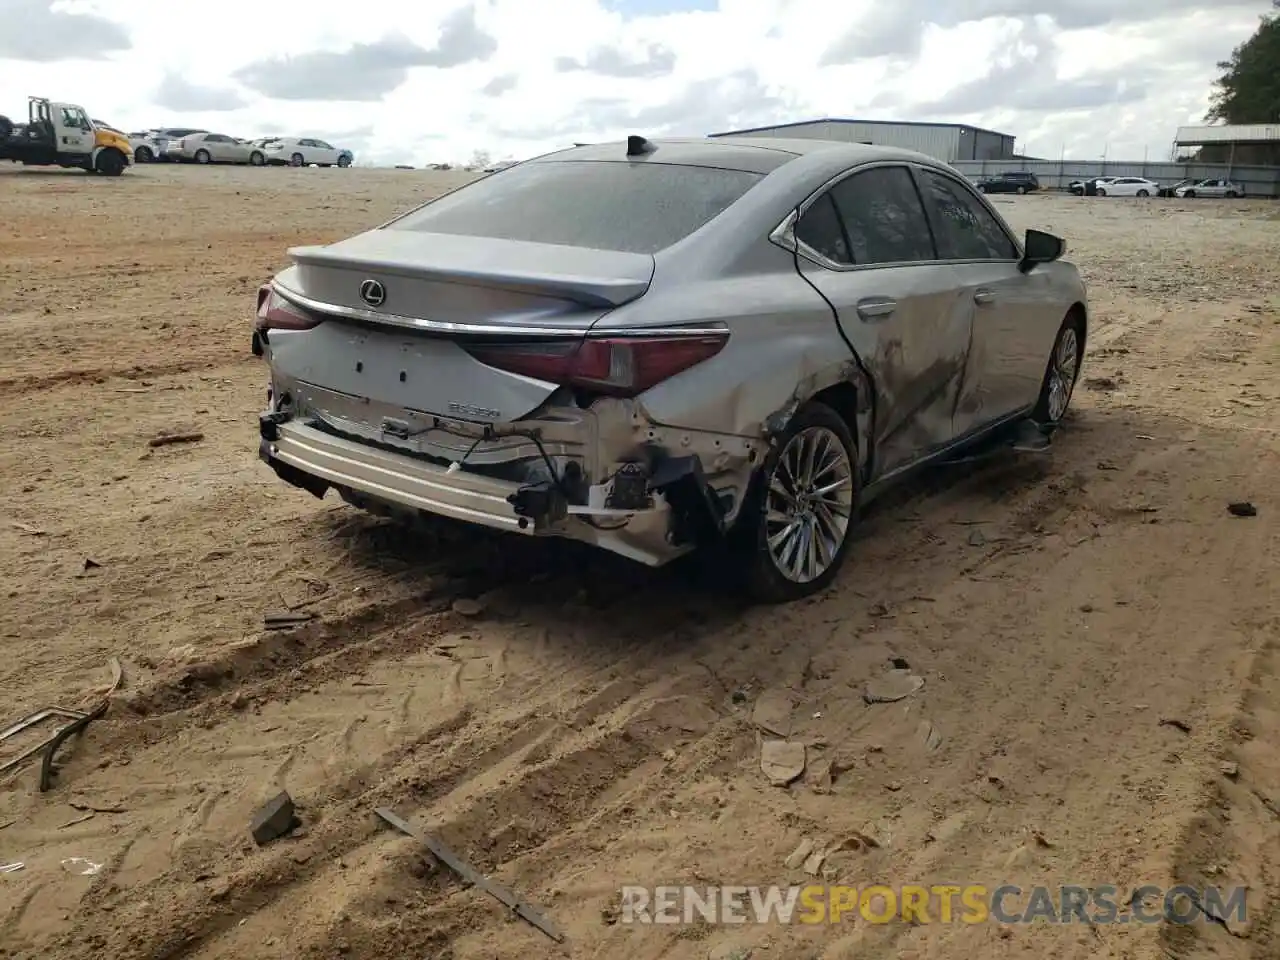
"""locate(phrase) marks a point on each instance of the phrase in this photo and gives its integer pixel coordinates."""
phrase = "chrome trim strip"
(488, 329)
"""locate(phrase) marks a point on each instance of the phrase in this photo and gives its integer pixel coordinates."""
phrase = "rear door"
(866, 246)
(1003, 305)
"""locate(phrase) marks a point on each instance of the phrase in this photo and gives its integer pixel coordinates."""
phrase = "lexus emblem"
(373, 293)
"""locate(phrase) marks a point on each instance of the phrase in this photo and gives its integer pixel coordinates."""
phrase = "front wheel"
(1022, 191)
(344, 161)
(1190, 195)
(1101, 192)
(1231, 194)
(295, 160)
(143, 155)
(110, 163)
(202, 156)
(1061, 372)
(257, 159)
(1143, 193)
(794, 531)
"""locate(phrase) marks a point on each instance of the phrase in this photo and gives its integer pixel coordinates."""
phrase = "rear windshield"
(604, 205)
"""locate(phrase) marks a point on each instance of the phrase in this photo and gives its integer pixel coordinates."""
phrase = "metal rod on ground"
(521, 908)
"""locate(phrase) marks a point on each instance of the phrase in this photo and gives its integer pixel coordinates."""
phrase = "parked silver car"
(656, 346)
(215, 148)
(1211, 188)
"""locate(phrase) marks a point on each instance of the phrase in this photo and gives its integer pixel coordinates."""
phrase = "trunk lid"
(401, 355)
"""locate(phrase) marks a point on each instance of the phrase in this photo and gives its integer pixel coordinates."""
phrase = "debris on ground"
(892, 686)
(468, 607)
(1242, 508)
(77, 721)
(813, 862)
(81, 867)
(167, 439)
(274, 819)
(772, 712)
(91, 564)
(782, 761)
(1176, 724)
(27, 528)
(12, 867)
(1230, 769)
(526, 911)
(928, 734)
(820, 774)
(729, 951)
(286, 619)
(800, 854)
(977, 538)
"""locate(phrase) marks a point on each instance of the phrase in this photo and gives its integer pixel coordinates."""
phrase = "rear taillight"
(277, 313)
(618, 366)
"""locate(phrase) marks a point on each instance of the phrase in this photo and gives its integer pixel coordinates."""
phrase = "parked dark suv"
(1009, 183)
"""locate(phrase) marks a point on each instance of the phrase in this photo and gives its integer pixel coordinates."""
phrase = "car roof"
(751, 154)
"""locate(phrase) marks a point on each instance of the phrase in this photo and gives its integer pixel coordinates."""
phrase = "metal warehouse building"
(948, 142)
(1255, 143)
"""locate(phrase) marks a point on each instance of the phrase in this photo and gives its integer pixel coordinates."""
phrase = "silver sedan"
(659, 346)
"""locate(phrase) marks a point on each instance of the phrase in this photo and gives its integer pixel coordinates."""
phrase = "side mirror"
(1041, 247)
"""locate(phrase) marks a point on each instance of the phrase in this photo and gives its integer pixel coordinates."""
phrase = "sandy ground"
(1096, 633)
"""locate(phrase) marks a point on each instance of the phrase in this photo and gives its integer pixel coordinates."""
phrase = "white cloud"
(435, 82)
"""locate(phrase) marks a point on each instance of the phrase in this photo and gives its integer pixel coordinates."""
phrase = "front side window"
(603, 205)
(966, 229)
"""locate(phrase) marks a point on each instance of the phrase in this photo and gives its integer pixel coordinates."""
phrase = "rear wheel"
(1231, 194)
(143, 155)
(1190, 194)
(1102, 191)
(1143, 193)
(1061, 372)
(295, 160)
(257, 159)
(202, 156)
(1021, 191)
(794, 531)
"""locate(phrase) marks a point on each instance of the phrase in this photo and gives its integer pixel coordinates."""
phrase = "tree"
(1249, 89)
(480, 159)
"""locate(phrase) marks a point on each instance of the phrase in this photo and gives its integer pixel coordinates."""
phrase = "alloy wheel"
(1062, 373)
(809, 504)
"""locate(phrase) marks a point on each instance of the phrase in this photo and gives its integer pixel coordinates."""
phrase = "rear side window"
(821, 231)
(966, 229)
(883, 217)
(603, 205)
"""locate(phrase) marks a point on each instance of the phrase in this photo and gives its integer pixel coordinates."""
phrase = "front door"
(1008, 354)
(72, 130)
(866, 246)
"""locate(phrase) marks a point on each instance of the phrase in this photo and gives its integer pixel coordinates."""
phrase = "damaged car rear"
(659, 346)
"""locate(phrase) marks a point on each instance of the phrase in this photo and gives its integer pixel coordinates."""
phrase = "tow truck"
(62, 135)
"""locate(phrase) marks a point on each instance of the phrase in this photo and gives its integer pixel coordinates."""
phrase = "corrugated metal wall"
(1055, 175)
(940, 142)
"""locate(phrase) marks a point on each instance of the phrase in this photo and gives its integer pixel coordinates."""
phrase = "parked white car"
(304, 151)
(1211, 188)
(1128, 187)
(215, 148)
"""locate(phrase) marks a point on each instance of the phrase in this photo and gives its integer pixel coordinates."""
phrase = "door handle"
(983, 296)
(876, 308)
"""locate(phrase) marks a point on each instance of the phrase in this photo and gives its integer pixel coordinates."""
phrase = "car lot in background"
(1211, 188)
(304, 151)
(1128, 187)
(164, 135)
(1013, 182)
(204, 148)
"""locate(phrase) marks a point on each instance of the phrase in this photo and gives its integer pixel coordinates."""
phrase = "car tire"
(257, 159)
(762, 565)
(1021, 191)
(1231, 195)
(203, 156)
(1062, 372)
(1189, 195)
(143, 155)
(295, 160)
(344, 162)
(1101, 192)
(1143, 193)
(981, 188)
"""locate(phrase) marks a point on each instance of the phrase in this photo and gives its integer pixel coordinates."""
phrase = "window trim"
(918, 169)
(784, 233)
